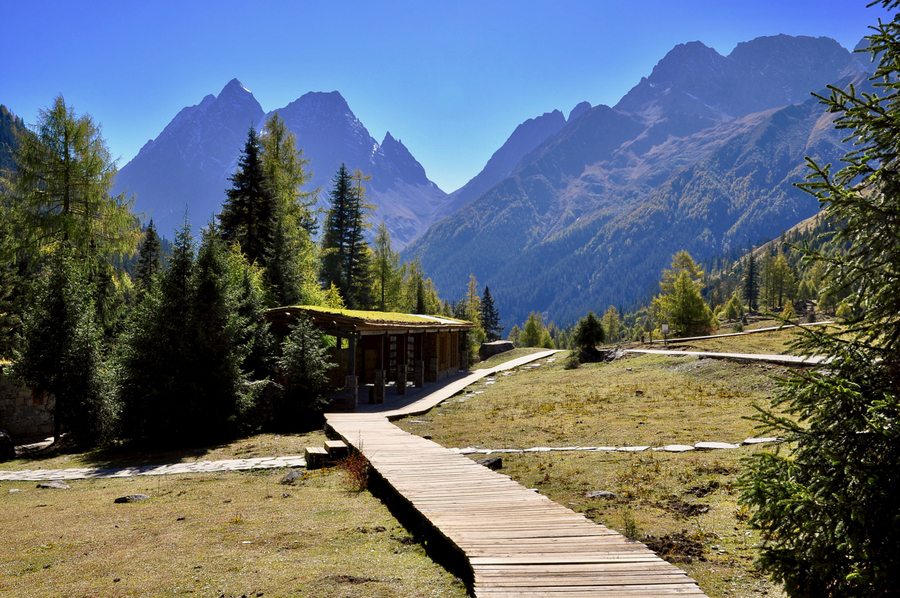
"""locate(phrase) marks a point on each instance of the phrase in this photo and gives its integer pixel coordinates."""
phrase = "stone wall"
(488, 350)
(23, 413)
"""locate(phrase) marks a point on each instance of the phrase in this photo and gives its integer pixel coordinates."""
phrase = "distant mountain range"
(190, 162)
(701, 155)
(571, 213)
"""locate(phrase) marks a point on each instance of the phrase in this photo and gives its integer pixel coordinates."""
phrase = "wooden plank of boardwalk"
(517, 542)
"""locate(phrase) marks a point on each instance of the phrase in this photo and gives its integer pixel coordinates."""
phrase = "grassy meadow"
(684, 505)
(245, 534)
(223, 534)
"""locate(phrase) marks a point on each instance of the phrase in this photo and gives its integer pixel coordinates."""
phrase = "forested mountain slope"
(592, 215)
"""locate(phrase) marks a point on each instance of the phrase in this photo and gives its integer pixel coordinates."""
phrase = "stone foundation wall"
(22, 412)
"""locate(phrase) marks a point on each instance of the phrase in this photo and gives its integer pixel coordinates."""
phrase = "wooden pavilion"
(376, 348)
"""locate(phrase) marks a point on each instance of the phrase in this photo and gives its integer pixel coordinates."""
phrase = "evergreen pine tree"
(827, 509)
(588, 334)
(750, 288)
(346, 254)
(303, 372)
(359, 255)
(336, 233)
(387, 273)
(680, 304)
(60, 355)
(490, 317)
(420, 297)
(194, 342)
(249, 212)
(149, 265)
(292, 268)
(222, 330)
(157, 351)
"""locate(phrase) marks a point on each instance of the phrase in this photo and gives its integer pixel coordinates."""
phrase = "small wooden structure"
(375, 348)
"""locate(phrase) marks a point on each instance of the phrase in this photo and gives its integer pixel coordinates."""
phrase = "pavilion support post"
(401, 363)
(431, 356)
(463, 349)
(351, 382)
(419, 371)
(380, 373)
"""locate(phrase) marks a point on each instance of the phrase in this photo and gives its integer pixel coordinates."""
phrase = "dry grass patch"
(682, 505)
(767, 343)
(230, 534)
(650, 399)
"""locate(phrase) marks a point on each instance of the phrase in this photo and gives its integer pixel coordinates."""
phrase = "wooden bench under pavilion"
(381, 346)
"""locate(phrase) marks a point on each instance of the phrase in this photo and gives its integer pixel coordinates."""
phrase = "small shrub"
(357, 468)
(572, 362)
(630, 527)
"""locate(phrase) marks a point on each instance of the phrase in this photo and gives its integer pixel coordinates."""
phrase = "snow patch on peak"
(235, 85)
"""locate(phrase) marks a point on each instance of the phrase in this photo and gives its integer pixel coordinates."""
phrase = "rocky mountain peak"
(578, 110)
(764, 73)
(403, 161)
(191, 161)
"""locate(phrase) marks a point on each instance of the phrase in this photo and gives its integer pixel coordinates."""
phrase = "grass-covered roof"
(352, 320)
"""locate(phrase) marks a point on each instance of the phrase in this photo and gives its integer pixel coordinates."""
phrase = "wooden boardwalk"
(787, 360)
(516, 541)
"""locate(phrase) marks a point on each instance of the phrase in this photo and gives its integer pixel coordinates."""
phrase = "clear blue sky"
(451, 80)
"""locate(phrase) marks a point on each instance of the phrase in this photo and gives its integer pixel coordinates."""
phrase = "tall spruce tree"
(292, 268)
(222, 341)
(336, 235)
(193, 344)
(680, 304)
(750, 287)
(60, 356)
(250, 210)
(149, 266)
(588, 334)
(156, 351)
(303, 372)
(490, 316)
(346, 254)
(387, 274)
(826, 505)
(359, 254)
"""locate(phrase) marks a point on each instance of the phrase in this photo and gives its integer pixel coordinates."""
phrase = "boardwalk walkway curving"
(517, 542)
(788, 360)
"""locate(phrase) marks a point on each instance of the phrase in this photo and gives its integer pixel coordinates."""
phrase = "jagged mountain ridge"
(592, 215)
(525, 138)
(190, 162)
(764, 73)
(187, 165)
